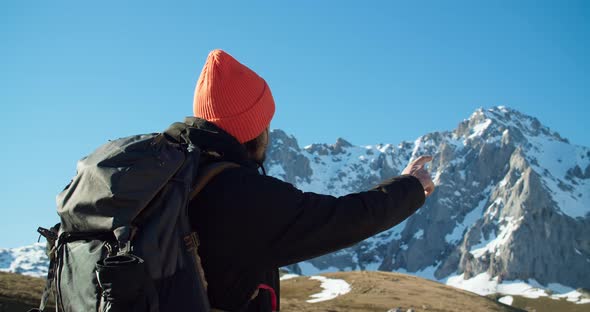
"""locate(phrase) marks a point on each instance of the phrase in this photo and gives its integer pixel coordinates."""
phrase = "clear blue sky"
(76, 73)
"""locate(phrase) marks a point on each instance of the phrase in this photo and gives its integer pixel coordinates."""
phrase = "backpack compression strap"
(208, 173)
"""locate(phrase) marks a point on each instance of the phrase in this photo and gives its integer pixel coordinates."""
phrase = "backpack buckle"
(124, 235)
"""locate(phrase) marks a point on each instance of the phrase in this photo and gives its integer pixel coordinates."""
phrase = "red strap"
(273, 295)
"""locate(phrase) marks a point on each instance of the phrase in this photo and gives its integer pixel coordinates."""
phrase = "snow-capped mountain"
(29, 260)
(511, 209)
(512, 201)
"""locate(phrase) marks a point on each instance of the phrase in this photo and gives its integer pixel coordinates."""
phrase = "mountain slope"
(28, 260)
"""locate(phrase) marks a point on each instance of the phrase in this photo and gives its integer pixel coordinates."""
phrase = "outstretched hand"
(416, 169)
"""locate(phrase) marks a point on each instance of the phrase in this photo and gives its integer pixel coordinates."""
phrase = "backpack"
(124, 242)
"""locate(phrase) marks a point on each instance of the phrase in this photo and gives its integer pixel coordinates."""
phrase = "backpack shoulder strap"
(208, 173)
(175, 131)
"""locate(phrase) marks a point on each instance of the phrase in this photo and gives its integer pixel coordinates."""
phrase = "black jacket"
(251, 224)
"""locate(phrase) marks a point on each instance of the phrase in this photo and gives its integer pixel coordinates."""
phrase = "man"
(251, 224)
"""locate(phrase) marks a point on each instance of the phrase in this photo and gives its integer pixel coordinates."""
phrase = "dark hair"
(253, 145)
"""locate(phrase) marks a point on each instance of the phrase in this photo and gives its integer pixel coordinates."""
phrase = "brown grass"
(19, 292)
(381, 291)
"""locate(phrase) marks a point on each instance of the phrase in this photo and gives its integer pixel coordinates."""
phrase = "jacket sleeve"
(289, 225)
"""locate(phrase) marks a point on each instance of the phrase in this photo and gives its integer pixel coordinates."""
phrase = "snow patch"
(288, 276)
(419, 234)
(496, 241)
(479, 129)
(483, 284)
(507, 300)
(332, 288)
(572, 296)
(501, 108)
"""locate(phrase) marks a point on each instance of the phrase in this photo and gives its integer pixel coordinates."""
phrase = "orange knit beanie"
(233, 97)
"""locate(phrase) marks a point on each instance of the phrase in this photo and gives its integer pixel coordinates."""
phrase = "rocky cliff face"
(512, 200)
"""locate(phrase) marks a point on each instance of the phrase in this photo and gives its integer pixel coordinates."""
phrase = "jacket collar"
(215, 140)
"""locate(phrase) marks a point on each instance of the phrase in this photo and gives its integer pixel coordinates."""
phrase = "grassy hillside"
(371, 291)
(381, 291)
(19, 293)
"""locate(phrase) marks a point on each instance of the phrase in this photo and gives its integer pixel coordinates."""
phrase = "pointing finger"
(422, 160)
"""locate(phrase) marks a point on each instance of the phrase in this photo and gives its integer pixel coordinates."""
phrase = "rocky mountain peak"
(280, 139)
(507, 188)
(339, 147)
(503, 122)
(284, 149)
(342, 143)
